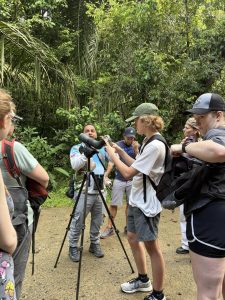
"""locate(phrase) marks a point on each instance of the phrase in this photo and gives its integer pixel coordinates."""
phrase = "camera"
(89, 145)
(92, 142)
(87, 150)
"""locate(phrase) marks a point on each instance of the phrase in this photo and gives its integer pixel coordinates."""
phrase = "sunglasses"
(14, 118)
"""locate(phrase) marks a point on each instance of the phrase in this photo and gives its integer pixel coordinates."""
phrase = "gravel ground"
(100, 278)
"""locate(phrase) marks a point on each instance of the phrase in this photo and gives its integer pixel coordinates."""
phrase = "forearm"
(126, 171)
(8, 238)
(78, 162)
(127, 158)
(208, 151)
(109, 168)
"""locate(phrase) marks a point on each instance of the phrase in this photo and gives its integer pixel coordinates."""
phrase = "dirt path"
(100, 278)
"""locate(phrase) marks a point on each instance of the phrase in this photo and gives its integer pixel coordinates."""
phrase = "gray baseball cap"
(143, 109)
(206, 103)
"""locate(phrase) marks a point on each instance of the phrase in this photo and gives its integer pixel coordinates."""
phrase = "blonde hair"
(6, 104)
(155, 123)
(192, 122)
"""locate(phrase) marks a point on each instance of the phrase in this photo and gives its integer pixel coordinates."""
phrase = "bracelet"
(183, 147)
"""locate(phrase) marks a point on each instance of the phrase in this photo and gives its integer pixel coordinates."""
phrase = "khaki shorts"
(118, 190)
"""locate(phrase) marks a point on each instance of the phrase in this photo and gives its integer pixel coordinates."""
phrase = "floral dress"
(7, 285)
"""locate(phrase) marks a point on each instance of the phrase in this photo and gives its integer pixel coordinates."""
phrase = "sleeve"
(216, 136)
(153, 153)
(24, 159)
(77, 160)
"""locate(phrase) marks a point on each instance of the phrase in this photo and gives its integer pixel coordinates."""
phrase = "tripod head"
(87, 150)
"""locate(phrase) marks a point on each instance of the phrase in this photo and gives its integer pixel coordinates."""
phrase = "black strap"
(104, 167)
(158, 137)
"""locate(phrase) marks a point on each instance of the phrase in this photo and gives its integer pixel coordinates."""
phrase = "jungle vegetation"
(68, 62)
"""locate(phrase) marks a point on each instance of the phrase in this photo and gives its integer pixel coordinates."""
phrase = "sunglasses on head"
(16, 119)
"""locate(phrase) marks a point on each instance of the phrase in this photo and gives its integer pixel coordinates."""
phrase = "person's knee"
(132, 239)
(113, 210)
(113, 207)
(152, 247)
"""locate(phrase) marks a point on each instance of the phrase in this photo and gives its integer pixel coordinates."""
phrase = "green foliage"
(67, 63)
(58, 199)
(49, 156)
(111, 124)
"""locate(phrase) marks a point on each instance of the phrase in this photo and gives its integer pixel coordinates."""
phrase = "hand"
(176, 150)
(110, 146)
(107, 181)
(135, 145)
(184, 140)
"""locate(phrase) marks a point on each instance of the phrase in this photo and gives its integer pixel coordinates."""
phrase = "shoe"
(107, 232)
(125, 229)
(74, 254)
(96, 250)
(152, 297)
(136, 285)
(181, 250)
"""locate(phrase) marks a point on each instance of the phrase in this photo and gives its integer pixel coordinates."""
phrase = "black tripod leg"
(71, 217)
(82, 234)
(110, 216)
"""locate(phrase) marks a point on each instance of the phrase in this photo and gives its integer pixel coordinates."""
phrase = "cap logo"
(197, 102)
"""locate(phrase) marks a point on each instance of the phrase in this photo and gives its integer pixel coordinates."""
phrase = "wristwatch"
(183, 147)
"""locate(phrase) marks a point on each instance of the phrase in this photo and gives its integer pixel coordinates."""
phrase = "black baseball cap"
(207, 102)
(129, 132)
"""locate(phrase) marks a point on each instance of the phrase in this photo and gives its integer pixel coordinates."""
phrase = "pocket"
(99, 179)
(21, 230)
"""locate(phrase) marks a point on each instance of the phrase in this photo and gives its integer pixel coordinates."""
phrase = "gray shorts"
(118, 190)
(145, 227)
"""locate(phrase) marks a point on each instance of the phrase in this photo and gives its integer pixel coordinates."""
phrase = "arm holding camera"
(116, 149)
(126, 171)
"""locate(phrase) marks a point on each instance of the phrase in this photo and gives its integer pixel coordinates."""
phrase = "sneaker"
(152, 297)
(74, 254)
(136, 285)
(107, 232)
(96, 250)
(181, 250)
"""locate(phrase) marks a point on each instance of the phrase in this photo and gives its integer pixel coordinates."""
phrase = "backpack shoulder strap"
(9, 159)
(160, 138)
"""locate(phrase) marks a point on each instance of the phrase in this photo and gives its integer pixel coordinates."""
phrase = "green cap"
(143, 109)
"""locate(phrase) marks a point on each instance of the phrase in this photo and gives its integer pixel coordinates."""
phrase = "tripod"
(86, 178)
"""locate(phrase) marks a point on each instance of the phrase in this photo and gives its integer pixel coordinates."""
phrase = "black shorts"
(206, 230)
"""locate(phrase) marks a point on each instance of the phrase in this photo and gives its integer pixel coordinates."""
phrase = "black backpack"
(177, 177)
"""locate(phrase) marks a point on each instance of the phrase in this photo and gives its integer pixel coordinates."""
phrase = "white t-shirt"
(151, 163)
